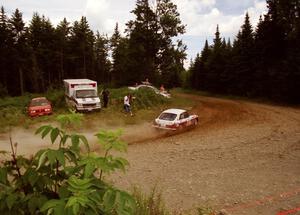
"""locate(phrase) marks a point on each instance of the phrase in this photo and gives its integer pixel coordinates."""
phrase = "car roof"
(38, 98)
(174, 110)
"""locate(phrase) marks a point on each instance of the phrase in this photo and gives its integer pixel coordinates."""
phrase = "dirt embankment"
(243, 158)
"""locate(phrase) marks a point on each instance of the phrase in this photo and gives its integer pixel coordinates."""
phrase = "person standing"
(105, 97)
(127, 104)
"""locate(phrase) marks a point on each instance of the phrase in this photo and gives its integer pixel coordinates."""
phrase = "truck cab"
(81, 94)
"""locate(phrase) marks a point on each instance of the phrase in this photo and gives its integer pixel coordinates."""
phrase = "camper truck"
(81, 94)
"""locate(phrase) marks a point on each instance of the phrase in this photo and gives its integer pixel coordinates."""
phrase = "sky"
(200, 16)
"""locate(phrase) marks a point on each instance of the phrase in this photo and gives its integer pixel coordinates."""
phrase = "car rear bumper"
(88, 109)
(164, 128)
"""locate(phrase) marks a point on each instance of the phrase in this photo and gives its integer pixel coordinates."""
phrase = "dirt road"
(242, 158)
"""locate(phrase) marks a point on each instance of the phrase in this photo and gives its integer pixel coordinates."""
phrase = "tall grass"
(151, 204)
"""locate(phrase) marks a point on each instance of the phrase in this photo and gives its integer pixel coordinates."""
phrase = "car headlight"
(47, 109)
(32, 111)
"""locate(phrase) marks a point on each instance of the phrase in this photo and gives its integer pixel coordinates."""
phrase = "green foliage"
(70, 120)
(64, 180)
(57, 98)
(151, 204)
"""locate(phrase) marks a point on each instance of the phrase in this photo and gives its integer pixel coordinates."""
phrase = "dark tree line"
(261, 62)
(37, 56)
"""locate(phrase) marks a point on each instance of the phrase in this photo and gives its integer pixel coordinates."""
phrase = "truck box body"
(81, 94)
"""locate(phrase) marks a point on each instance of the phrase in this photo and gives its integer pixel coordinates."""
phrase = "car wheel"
(180, 127)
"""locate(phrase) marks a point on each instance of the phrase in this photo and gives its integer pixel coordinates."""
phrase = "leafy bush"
(71, 120)
(57, 98)
(64, 180)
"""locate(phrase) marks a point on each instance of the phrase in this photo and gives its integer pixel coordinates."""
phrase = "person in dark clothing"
(105, 97)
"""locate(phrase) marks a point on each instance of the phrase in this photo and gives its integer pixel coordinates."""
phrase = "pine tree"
(81, 42)
(63, 38)
(102, 64)
(20, 50)
(6, 42)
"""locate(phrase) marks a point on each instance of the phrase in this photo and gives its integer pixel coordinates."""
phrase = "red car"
(39, 106)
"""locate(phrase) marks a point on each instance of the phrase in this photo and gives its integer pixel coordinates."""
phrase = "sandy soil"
(242, 158)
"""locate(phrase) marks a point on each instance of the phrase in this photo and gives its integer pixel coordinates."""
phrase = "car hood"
(39, 107)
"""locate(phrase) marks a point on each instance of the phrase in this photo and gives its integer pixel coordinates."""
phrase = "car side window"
(184, 115)
(181, 116)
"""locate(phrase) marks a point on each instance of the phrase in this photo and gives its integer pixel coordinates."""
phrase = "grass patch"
(151, 204)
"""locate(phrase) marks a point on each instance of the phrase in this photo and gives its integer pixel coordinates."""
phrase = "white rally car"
(175, 119)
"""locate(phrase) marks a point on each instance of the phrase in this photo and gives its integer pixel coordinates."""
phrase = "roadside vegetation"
(145, 107)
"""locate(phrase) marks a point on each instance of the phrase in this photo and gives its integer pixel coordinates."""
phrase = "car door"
(184, 119)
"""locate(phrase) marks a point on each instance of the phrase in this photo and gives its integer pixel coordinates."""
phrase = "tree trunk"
(21, 80)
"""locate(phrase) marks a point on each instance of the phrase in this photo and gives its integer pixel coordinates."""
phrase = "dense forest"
(37, 55)
(261, 62)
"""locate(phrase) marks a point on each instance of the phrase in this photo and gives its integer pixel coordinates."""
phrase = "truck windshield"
(86, 94)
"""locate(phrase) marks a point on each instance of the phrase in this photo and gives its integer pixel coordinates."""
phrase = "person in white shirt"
(127, 104)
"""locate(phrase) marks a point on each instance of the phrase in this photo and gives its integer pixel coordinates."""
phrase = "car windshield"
(39, 102)
(86, 94)
(168, 116)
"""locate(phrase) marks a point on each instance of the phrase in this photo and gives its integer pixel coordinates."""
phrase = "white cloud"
(203, 23)
(104, 14)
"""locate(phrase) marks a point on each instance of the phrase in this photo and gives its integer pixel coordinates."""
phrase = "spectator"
(127, 104)
(146, 82)
(105, 97)
(162, 88)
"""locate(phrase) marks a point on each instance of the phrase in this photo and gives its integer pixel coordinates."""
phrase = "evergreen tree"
(143, 44)
(243, 54)
(6, 42)
(119, 46)
(81, 42)
(63, 30)
(19, 52)
(101, 58)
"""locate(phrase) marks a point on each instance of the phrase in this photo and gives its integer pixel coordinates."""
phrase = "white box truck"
(81, 94)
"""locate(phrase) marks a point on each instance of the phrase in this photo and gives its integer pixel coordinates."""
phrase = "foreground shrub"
(64, 180)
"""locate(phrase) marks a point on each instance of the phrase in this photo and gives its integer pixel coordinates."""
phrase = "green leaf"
(75, 142)
(89, 170)
(51, 155)
(64, 139)
(33, 177)
(35, 203)
(46, 131)
(85, 142)
(60, 157)
(10, 200)
(51, 204)
(3, 175)
(109, 200)
(63, 192)
(42, 159)
(40, 129)
(54, 134)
